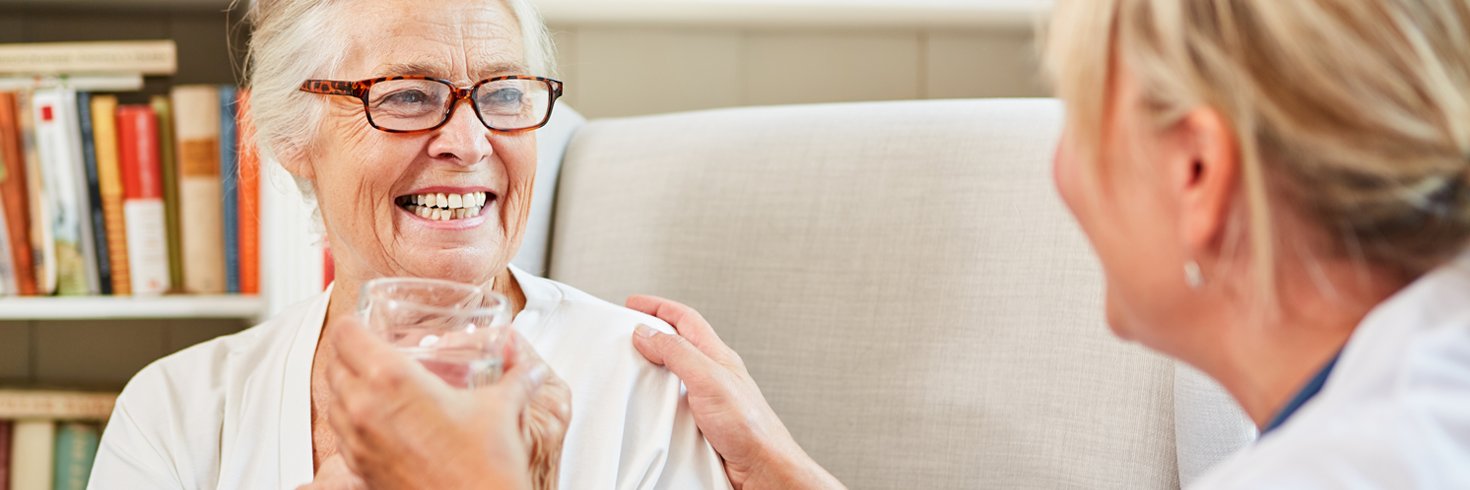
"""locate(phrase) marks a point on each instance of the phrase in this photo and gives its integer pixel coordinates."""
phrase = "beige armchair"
(903, 282)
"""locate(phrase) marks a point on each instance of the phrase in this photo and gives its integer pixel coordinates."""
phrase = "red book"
(248, 198)
(142, 176)
(13, 190)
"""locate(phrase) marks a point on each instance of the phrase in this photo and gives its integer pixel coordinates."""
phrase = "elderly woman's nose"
(464, 139)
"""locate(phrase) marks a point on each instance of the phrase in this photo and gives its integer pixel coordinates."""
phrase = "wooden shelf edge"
(126, 307)
(57, 405)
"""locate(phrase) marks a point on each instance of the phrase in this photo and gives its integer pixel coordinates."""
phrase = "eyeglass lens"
(412, 105)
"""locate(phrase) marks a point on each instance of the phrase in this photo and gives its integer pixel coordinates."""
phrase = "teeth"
(443, 207)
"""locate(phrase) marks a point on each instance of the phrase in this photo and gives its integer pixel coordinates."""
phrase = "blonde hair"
(296, 40)
(1355, 114)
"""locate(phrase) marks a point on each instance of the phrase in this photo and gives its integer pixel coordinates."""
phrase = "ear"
(295, 161)
(1208, 181)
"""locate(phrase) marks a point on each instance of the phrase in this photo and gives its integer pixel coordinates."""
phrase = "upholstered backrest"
(551, 145)
(901, 278)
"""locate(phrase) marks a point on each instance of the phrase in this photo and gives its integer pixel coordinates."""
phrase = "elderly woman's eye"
(407, 97)
(505, 97)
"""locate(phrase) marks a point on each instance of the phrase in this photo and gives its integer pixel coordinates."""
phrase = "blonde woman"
(1279, 194)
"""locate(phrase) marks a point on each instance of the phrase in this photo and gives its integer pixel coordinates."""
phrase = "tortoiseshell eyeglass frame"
(360, 88)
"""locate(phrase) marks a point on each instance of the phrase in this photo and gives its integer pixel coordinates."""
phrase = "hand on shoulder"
(727, 405)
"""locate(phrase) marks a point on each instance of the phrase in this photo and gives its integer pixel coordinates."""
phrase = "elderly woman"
(1279, 194)
(410, 121)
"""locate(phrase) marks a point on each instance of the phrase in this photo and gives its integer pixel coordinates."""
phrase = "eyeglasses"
(410, 104)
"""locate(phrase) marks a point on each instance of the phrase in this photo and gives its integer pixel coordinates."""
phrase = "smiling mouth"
(445, 207)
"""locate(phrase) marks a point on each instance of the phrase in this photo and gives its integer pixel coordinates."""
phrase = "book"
(96, 216)
(57, 144)
(31, 451)
(110, 192)
(163, 113)
(94, 246)
(36, 404)
(196, 111)
(15, 196)
(8, 285)
(144, 57)
(229, 186)
(249, 220)
(76, 448)
(142, 176)
(5, 427)
(43, 242)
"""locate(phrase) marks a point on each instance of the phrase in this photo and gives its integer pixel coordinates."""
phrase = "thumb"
(681, 357)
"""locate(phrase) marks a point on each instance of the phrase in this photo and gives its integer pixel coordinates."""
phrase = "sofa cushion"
(900, 277)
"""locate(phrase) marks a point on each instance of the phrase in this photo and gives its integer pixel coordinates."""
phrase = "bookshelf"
(97, 342)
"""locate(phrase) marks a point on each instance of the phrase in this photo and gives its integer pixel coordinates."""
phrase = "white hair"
(296, 40)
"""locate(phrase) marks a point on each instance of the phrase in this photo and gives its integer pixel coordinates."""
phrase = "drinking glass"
(455, 330)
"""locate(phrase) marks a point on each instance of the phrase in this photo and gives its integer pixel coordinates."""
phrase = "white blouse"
(1395, 411)
(234, 412)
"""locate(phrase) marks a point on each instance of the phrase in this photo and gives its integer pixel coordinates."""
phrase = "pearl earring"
(1192, 275)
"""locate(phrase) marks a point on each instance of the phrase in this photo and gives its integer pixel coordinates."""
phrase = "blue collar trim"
(1301, 398)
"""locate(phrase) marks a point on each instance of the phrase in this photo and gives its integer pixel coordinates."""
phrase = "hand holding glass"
(455, 330)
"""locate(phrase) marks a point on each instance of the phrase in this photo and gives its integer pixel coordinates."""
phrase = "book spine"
(31, 454)
(43, 243)
(63, 179)
(8, 284)
(148, 247)
(95, 218)
(15, 195)
(196, 129)
(249, 220)
(76, 448)
(229, 187)
(110, 192)
(5, 428)
(163, 113)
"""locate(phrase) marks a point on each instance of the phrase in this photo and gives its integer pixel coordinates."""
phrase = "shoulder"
(191, 388)
(205, 368)
(567, 307)
(1393, 413)
(589, 341)
(169, 423)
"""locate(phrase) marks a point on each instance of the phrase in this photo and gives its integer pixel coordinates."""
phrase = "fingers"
(525, 374)
(685, 320)
(687, 362)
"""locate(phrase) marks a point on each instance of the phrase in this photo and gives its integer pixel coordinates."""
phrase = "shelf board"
(118, 307)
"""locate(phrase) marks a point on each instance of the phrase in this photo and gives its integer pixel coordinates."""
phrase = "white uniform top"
(234, 412)
(1395, 411)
